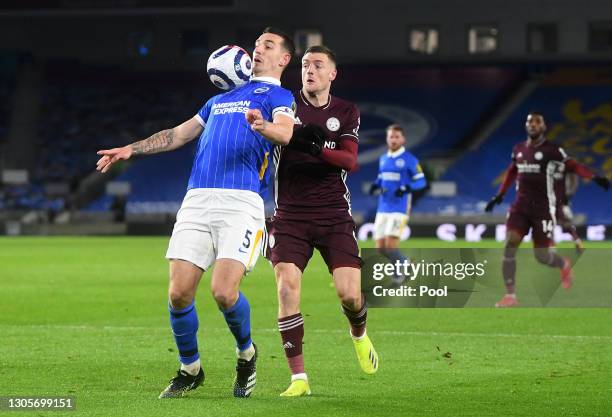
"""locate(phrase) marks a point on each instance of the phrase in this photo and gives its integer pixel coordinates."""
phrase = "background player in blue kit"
(221, 219)
(399, 174)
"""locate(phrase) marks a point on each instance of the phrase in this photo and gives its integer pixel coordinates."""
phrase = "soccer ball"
(229, 67)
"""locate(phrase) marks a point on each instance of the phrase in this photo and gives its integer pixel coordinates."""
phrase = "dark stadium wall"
(364, 32)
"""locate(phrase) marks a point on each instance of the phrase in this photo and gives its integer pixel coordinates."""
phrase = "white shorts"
(215, 223)
(389, 224)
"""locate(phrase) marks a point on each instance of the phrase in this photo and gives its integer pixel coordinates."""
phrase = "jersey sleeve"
(350, 129)
(282, 102)
(204, 112)
(378, 180)
(513, 155)
(415, 174)
(510, 173)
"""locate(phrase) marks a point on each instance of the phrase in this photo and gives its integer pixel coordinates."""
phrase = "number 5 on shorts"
(254, 245)
(247, 239)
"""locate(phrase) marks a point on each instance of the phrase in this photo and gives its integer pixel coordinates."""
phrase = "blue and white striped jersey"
(396, 169)
(230, 154)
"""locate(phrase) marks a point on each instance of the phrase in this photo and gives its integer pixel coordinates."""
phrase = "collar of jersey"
(396, 153)
(269, 80)
(308, 103)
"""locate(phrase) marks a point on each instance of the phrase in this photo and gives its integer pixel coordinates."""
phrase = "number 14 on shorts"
(547, 227)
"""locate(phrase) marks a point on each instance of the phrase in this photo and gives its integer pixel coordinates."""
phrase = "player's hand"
(306, 146)
(404, 189)
(497, 199)
(255, 119)
(603, 182)
(311, 132)
(309, 139)
(375, 189)
(110, 156)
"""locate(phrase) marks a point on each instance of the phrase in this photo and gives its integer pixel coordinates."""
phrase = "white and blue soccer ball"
(229, 67)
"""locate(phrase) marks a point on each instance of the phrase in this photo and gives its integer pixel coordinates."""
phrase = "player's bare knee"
(179, 298)
(542, 255)
(351, 300)
(287, 291)
(287, 281)
(224, 297)
(512, 243)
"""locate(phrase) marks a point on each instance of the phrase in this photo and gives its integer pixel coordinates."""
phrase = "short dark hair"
(537, 113)
(397, 127)
(287, 43)
(322, 49)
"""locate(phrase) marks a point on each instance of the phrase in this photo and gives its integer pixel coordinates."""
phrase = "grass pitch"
(87, 317)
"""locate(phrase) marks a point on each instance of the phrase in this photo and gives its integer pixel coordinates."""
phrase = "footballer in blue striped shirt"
(221, 220)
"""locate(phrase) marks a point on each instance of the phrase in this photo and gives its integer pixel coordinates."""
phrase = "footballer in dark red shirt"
(537, 166)
(313, 210)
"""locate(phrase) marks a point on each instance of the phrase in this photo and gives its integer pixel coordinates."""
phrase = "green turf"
(87, 317)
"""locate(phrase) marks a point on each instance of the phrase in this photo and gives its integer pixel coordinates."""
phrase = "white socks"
(246, 354)
(301, 376)
(358, 337)
(192, 368)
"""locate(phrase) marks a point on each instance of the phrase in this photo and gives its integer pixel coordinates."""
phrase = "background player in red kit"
(537, 165)
(313, 210)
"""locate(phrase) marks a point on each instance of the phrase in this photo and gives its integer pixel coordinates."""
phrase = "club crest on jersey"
(538, 155)
(400, 163)
(333, 124)
(260, 90)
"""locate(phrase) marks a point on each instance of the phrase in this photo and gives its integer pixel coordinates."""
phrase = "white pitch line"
(87, 327)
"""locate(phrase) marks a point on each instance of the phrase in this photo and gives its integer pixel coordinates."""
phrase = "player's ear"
(285, 59)
(333, 74)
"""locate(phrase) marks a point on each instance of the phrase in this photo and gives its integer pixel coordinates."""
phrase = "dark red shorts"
(293, 241)
(541, 225)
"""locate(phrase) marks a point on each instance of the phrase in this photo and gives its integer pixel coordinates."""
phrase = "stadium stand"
(578, 109)
(86, 109)
(429, 102)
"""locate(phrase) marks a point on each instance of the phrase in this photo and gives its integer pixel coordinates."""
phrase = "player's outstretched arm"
(495, 200)
(584, 172)
(278, 132)
(509, 178)
(163, 141)
(603, 182)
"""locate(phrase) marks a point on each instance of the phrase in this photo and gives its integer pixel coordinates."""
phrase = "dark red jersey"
(540, 170)
(306, 187)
